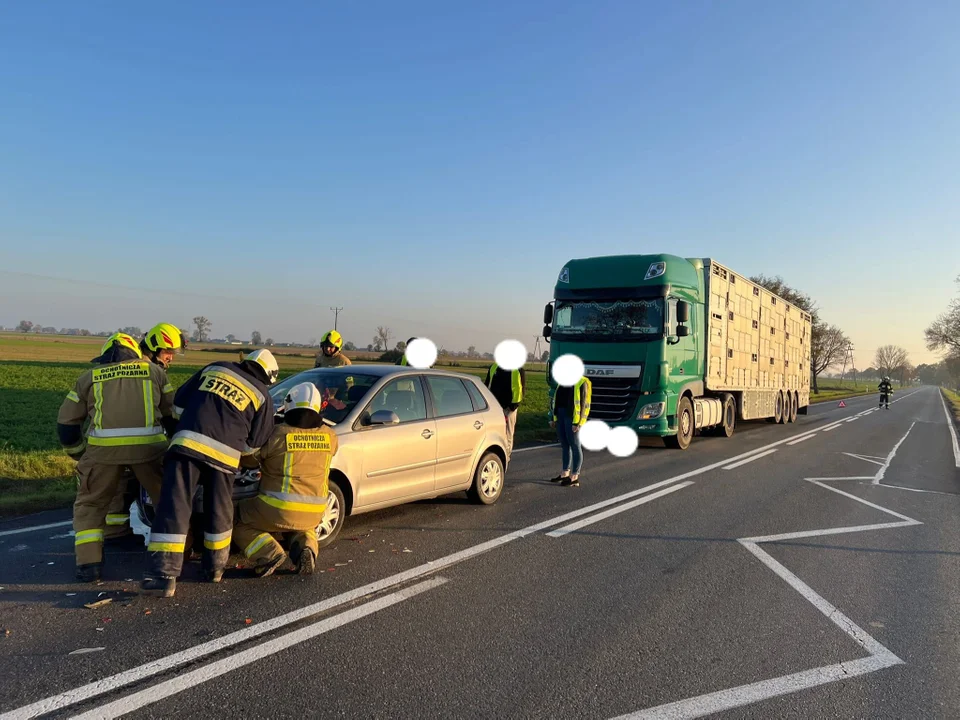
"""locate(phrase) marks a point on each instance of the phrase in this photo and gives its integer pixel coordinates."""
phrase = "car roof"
(386, 370)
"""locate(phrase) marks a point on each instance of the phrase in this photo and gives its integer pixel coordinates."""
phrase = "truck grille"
(614, 399)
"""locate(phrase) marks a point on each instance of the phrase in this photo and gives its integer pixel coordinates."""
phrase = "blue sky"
(432, 165)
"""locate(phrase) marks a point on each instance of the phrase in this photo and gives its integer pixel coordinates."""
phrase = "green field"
(36, 372)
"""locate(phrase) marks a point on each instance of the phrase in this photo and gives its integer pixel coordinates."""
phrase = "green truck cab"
(674, 345)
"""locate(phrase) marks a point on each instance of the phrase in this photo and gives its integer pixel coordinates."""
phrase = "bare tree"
(892, 360)
(203, 328)
(381, 341)
(25, 326)
(269, 342)
(256, 338)
(944, 333)
(828, 347)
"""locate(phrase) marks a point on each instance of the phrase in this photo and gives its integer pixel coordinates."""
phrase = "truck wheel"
(729, 417)
(685, 426)
(778, 411)
(794, 406)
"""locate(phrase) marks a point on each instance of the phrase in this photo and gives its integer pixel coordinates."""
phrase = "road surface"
(799, 571)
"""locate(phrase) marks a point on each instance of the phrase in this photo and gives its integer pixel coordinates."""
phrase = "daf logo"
(599, 371)
(565, 275)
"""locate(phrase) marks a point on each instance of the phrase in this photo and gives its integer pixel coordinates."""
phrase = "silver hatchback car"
(404, 435)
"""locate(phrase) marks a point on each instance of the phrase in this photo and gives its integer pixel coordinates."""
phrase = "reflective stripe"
(258, 542)
(177, 411)
(117, 519)
(207, 446)
(88, 536)
(124, 441)
(73, 397)
(290, 501)
(287, 472)
(168, 538)
(168, 388)
(255, 395)
(74, 449)
(165, 547)
(125, 432)
(217, 541)
(149, 411)
(98, 405)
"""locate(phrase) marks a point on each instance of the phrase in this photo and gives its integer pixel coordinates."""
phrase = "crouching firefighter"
(294, 475)
(127, 403)
(225, 411)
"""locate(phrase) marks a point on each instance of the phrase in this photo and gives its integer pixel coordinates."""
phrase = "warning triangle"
(842, 404)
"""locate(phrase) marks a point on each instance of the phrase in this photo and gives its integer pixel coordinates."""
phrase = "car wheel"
(333, 518)
(487, 480)
(685, 426)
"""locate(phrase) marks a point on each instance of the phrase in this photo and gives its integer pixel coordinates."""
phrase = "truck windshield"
(617, 318)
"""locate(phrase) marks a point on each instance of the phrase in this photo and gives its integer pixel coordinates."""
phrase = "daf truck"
(675, 346)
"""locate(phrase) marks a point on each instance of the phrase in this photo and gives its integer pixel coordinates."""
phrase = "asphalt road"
(725, 581)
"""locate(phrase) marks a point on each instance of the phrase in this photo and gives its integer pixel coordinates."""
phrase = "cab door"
(400, 460)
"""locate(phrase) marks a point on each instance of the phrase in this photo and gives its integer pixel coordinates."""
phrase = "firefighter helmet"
(267, 363)
(303, 396)
(165, 337)
(123, 340)
(333, 338)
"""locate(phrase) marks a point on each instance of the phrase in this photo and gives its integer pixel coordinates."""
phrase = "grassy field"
(954, 400)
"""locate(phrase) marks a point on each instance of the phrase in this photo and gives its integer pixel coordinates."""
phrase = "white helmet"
(266, 360)
(304, 395)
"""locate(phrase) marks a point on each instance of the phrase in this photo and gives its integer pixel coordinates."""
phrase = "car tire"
(487, 480)
(333, 519)
(685, 426)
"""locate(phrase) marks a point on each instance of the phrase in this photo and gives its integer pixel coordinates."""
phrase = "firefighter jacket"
(127, 405)
(225, 412)
(337, 360)
(295, 468)
(507, 386)
(886, 388)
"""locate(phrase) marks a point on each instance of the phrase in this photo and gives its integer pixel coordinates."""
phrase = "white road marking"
(535, 447)
(178, 684)
(33, 528)
(889, 459)
(619, 509)
(749, 459)
(865, 458)
(803, 439)
(953, 431)
(832, 427)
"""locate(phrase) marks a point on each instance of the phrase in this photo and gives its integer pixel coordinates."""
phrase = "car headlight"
(651, 411)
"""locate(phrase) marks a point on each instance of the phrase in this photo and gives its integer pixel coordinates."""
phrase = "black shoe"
(306, 563)
(262, 571)
(159, 586)
(570, 482)
(90, 572)
(213, 576)
(559, 478)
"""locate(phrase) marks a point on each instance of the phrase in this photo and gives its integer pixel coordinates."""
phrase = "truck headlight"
(651, 411)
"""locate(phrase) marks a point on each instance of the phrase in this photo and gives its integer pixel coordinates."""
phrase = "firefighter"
(507, 387)
(403, 357)
(225, 411)
(331, 351)
(159, 345)
(886, 390)
(129, 404)
(295, 469)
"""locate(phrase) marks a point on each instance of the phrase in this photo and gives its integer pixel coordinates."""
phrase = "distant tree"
(401, 347)
(132, 330)
(381, 341)
(370, 347)
(203, 328)
(545, 356)
(85, 332)
(256, 338)
(349, 346)
(892, 360)
(25, 326)
(269, 342)
(944, 333)
(828, 347)
(472, 351)
(927, 374)
(231, 337)
(49, 331)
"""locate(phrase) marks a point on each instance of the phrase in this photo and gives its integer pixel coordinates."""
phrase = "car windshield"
(341, 391)
(631, 318)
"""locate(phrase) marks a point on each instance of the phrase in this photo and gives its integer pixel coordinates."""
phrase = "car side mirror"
(683, 331)
(384, 417)
(683, 311)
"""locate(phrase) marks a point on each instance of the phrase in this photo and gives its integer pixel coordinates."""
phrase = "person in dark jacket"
(225, 411)
(569, 410)
(886, 390)
(507, 387)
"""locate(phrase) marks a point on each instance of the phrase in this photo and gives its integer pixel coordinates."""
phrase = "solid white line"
(917, 490)
(763, 690)
(193, 678)
(886, 463)
(32, 528)
(619, 509)
(865, 458)
(953, 431)
(865, 502)
(829, 531)
(535, 447)
(794, 442)
(849, 477)
(749, 460)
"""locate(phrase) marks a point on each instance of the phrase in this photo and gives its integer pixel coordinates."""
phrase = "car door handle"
(427, 434)
(478, 424)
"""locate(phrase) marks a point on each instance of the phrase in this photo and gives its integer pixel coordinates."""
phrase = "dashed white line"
(749, 459)
(619, 509)
(800, 440)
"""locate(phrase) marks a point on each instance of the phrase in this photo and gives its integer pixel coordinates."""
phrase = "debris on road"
(84, 651)
(248, 621)
(98, 603)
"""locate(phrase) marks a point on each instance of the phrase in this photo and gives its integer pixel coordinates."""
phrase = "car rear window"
(479, 402)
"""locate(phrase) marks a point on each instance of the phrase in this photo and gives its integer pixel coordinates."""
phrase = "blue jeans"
(569, 442)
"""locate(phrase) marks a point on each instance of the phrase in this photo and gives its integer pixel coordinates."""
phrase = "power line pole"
(336, 315)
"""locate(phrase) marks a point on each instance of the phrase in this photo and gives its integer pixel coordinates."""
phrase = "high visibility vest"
(582, 392)
(516, 384)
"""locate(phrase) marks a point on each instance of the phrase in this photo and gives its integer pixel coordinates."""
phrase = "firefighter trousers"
(98, 486)
(258, 523)
(168, 536)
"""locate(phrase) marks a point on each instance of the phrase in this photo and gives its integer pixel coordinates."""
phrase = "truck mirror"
(683, 311)
(548, 314)
(683, 331)
(547, 331)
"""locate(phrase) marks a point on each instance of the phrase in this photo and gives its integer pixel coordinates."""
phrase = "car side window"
(450, 397)
(479, 402)
(404, 397)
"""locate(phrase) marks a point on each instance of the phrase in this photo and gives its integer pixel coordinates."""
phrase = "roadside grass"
(953, 399)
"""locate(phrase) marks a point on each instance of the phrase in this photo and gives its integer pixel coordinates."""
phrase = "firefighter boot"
(90, 572)
(159, 587)
(262, 570)
(303, 555)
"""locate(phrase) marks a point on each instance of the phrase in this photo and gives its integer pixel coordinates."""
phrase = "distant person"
(225, 411)
(403, 355)
(295, 471)
(569, 410)
(331, 351)
(507, 387)
(127, 403)
(886, 390)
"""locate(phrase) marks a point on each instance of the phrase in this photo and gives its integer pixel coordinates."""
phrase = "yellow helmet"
(333, 338)
(124, 340)
(164, 337)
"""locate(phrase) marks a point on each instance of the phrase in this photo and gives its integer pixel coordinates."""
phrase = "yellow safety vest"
(581, 409)
(516, 385)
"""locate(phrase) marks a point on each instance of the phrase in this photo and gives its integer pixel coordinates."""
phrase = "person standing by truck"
(507, 387)
(569, 410)
(886, 390)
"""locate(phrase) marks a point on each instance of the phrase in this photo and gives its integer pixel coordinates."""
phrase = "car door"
(460, 430)
(399, 461)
